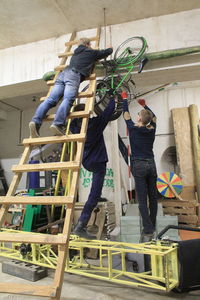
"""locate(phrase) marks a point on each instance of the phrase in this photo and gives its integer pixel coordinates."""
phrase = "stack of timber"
(186, 122)
(186, 210)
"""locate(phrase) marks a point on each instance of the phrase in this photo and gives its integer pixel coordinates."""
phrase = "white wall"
(30, 61)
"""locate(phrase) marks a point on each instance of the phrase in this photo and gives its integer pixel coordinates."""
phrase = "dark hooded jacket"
(84, 58)
(95, 149)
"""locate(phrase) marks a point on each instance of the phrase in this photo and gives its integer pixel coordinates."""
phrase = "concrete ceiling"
(25, 21)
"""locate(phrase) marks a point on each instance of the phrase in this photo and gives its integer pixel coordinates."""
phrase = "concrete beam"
(3, 115)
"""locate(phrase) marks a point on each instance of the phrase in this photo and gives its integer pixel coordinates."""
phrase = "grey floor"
(79, 287)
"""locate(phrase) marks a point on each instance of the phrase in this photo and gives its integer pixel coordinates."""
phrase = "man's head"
(145, 117)
(85, 42)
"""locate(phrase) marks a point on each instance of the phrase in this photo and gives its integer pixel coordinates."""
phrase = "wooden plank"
(167, 203)
(34, 239)
(188, 193)
(54, 139)
(69, 53)
(175, 211)
(51, 82)
(76, 114)
(80, 95)
(43, 200)
(188, 219)
(63, 250)
(28, 289)
(46, 167)
(194, 123)
(49, 225)
(182, 133)
(60, 68)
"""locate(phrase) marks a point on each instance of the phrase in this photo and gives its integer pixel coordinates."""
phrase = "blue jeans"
(99, 171)
(66, 86)
(145, 175)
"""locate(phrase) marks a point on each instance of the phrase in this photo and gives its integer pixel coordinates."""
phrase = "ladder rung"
(42, 200)
(28, 289)
(95, 38)
(50, 82)
(60, 68)
(91, 77)
(85, 94)
(46, 167)
(76, 114)
(80, 95)
(33, 239)
(65, 54)
(55, 139)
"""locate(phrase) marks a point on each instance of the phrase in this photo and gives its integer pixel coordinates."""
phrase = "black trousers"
(99, 171)
(145, 175)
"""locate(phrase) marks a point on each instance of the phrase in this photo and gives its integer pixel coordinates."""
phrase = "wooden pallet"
(187, 211)
(53, 291)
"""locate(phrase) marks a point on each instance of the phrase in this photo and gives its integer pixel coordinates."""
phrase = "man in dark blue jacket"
(66, 86)
(142, 136)
(94, 160)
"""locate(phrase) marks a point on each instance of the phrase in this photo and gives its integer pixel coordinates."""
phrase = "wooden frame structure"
(62, 240)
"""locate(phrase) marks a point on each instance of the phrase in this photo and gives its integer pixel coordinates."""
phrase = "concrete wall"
(30, 61)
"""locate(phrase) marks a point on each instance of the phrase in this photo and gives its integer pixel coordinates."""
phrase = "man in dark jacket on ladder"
(94, 160)
(67, 85)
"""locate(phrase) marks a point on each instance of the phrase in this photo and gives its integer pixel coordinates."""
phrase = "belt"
(143, 159)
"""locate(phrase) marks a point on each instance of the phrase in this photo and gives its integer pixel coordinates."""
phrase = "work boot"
(34, 129)
(81, 230)
(58, 129)
(146, 237)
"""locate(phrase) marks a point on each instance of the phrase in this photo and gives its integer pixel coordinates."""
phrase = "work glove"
(142, 102)
(124, 95)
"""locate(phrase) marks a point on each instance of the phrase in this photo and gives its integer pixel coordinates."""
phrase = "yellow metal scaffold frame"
(162, 275)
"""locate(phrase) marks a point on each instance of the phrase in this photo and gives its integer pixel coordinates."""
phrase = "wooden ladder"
(62, 240)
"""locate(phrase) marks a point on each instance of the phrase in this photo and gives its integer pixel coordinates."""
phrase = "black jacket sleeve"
(103, 119)
(103, 53)
(153, 122)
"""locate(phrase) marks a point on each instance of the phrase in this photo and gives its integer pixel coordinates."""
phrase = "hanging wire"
(110, 32)
(104, 21)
